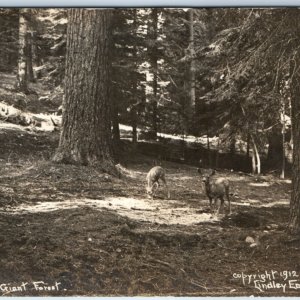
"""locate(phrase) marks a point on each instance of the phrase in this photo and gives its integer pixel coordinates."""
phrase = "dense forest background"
(92, 99)
(219, 73)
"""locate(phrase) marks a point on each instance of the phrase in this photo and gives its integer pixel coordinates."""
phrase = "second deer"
(215, 188)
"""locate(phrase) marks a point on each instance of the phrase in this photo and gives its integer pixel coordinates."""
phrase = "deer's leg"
(154, 190)
(166, 186)
(229, 203)
(216, 206)
(220, 206)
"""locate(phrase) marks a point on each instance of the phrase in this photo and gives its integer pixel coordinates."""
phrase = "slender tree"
(22, 61)
(29, 56)
(86, 134)
(152, 48)
(192, 62)
(134, 116)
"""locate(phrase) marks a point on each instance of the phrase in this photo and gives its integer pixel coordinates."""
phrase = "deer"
(154, 175)
(215, 188)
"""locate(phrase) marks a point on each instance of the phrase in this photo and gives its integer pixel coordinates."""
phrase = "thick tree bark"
(294, 220)
(86, 133)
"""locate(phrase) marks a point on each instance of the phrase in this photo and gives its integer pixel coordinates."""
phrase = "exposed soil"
(92, 234)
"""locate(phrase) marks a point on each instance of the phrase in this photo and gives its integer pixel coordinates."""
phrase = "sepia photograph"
(150, 151)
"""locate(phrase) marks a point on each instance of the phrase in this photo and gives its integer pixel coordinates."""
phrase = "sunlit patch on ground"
(260, 184)
(256, 203)
(154, 211)
(277, 203)
(147, 210)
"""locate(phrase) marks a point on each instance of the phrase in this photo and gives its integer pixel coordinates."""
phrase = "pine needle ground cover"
(91, 233)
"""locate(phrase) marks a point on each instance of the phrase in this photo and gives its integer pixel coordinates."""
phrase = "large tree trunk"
(294, 220)
(86, 133)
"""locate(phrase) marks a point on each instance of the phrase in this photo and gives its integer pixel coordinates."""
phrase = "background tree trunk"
(29, 59)
(86, 134)
(248, 146)
(192, 70)
(134, 110)
(36, 59)
(256, 164)
(134, 126)
(154, 65)
(115, 124)
(275, 146)
(22, 77)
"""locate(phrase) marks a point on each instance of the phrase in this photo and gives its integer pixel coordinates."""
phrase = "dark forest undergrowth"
(92, 234)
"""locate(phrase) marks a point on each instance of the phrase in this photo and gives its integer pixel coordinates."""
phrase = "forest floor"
(72, 230)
